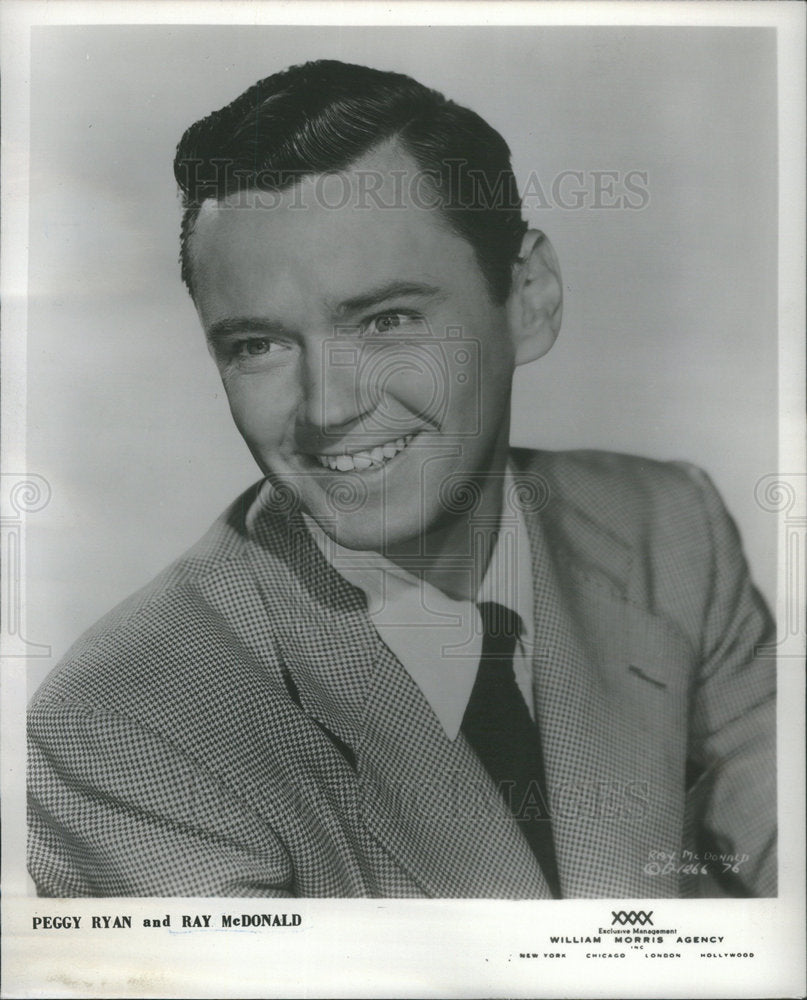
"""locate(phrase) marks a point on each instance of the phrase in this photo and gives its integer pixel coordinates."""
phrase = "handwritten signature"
(690, 863)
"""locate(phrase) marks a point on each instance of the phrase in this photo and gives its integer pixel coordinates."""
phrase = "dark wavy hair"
(320, 117)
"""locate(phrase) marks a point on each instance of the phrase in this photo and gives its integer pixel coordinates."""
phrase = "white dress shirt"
(436, 638)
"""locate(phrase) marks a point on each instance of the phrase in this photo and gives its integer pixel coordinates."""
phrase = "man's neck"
(455, 555)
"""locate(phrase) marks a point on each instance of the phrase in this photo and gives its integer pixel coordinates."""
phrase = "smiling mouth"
(361, 461)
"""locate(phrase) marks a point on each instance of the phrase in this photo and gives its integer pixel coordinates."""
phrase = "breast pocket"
(645, 665)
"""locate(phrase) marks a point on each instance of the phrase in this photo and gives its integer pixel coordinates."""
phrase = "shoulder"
(590, 478)
(156, 641)
(628, 496)
(656, 531)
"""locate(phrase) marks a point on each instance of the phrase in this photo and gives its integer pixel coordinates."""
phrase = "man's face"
(364, 362)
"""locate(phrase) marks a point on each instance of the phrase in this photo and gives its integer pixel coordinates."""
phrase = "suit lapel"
(426, 799)
(431, 803)
(323, 636)
(609, 695)
(608, 703)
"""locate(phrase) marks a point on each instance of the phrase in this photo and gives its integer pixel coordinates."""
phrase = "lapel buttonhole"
(646, 677)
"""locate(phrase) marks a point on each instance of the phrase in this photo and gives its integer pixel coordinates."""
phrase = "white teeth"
(364, 459)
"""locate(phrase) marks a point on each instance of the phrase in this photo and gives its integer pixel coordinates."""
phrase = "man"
(410, 661)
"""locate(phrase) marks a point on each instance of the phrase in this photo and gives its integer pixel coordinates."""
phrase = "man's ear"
(535, 303)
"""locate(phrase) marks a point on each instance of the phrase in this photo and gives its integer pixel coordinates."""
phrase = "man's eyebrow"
(244, 324)
(233, 325)
(382, 293)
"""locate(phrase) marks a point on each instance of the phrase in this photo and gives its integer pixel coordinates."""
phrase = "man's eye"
(252, 352)
(390, 321)
(252, 347)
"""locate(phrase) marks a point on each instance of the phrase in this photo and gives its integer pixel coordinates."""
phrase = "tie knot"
(498, 621)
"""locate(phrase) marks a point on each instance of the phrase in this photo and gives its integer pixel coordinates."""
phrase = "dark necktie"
(498, 726)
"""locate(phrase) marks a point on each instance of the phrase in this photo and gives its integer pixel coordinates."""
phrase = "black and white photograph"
(404, 517)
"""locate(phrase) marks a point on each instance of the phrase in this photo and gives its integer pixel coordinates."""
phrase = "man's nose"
(332, 396)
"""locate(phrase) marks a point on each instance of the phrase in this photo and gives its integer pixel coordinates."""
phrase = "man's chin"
(363, 534)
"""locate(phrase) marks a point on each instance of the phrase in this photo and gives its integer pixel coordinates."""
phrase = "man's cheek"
(423, 384)
(260, 410)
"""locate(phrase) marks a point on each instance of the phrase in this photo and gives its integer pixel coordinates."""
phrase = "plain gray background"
(669, 345)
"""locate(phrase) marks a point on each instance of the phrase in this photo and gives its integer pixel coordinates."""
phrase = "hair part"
(320, 117)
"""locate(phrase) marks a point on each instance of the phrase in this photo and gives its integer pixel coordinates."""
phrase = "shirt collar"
(437, 639)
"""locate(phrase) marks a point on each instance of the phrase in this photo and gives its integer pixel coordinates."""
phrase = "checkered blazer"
(238, 728)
